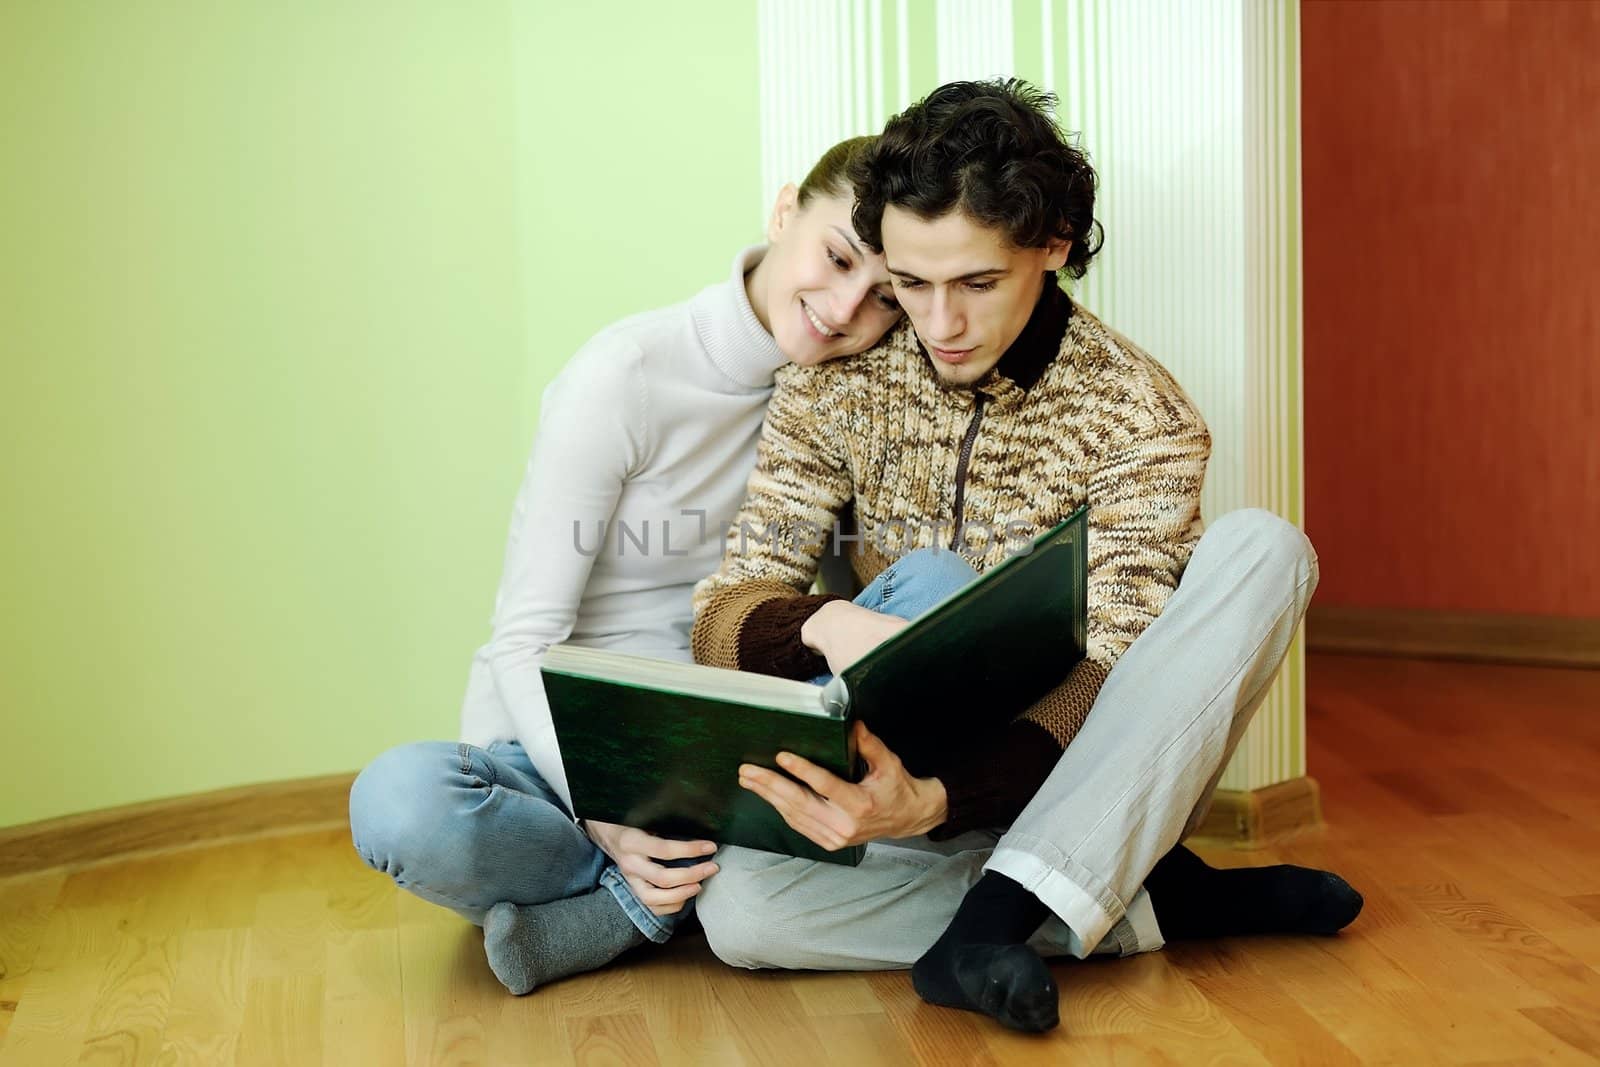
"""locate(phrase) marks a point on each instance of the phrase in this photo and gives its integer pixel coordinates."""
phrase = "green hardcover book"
(657, 744)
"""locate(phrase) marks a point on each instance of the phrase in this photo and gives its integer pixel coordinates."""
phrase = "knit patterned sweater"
(1073, 413)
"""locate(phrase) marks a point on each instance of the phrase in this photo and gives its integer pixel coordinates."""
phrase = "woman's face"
(827, 293)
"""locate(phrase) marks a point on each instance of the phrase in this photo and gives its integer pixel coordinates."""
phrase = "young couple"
(998, 402)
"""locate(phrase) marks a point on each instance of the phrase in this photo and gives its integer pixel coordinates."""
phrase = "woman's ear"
(783, 211)
(1055, 254)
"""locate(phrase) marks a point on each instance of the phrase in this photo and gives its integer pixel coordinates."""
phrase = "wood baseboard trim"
(1255, 818)
(1245, 819)
(1536, 640)
(203, 818)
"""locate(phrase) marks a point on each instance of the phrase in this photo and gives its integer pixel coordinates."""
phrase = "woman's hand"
(844, 632)
(662, 889)
(835, 813)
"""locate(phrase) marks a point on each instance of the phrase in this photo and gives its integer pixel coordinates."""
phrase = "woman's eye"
(836, 261)
(889, 303)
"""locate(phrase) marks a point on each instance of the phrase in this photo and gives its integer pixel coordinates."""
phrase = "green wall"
(279, 286)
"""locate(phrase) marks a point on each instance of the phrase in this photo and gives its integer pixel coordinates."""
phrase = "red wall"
(1451, 155)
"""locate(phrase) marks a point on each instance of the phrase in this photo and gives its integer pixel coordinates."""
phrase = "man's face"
(967, 289)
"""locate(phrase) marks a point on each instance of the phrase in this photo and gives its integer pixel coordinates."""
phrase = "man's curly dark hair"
(991, 149)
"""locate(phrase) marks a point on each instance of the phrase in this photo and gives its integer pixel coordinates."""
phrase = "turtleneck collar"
(732, 335)
(1040, 340)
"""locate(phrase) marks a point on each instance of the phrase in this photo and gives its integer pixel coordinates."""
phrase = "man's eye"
(980, 287)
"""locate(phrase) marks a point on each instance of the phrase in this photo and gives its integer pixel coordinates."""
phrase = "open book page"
(739, 687)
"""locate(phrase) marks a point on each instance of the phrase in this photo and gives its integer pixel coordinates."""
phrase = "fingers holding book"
(834, 813)
(657, 869)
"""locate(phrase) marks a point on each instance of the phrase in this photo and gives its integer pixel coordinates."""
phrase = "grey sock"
(531, 944)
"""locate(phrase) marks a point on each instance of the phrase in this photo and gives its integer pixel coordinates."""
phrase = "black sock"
(982, 961)
(1194, 900)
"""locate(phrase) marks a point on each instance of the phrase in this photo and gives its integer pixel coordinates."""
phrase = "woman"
(645, 442)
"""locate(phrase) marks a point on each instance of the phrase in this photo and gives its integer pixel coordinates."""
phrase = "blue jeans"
(912, 584)
(466, 827)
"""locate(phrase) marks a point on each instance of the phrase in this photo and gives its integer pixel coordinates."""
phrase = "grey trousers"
(1137, 778)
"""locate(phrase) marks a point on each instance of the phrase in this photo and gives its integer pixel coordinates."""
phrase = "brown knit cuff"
(714, 640)
(769, 640)
(991, 788)
(1064, 709)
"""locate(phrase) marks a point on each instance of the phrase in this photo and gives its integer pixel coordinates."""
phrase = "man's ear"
(783, 211)
(1055, 254)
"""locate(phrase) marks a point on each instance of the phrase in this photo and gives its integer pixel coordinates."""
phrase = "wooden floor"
(1480, 942)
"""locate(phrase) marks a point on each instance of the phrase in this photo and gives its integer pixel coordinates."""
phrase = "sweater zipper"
(980, 399)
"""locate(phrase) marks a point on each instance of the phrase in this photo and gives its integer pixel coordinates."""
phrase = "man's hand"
(844, 632)
(661, 889)
(835, 813)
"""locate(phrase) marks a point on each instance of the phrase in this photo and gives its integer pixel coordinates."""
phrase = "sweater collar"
(1031, 354)
(730, 332)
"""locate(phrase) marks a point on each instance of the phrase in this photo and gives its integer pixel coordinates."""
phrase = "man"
(1000, 405)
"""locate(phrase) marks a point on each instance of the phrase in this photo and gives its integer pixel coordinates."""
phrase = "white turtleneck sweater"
(645, 441)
